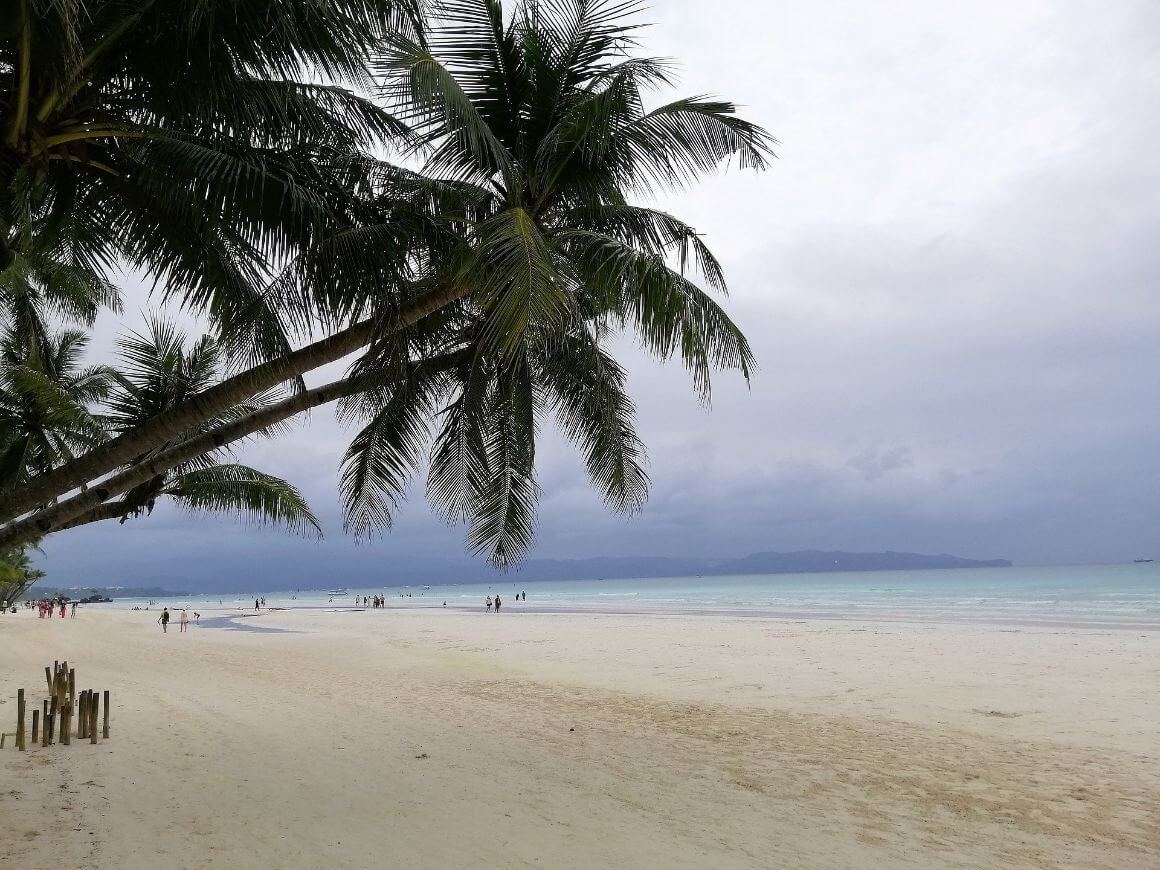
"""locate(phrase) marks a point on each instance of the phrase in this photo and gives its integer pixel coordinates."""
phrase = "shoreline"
(847, 616)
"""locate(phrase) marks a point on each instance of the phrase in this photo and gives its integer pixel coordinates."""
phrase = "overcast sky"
(949, 278)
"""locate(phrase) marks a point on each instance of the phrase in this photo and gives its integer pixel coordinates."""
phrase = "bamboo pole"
(44, 723)
(48, 679)
(52, 721)
(105, 729)
(94, 704)
(20, 719)
(72, 687)
(35, 726)
(82, 714)
(66, 725)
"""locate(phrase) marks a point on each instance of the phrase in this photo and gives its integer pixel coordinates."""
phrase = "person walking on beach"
(489, 604)
(497, 603)
(196, 618)
(184, 621)
(164, 620)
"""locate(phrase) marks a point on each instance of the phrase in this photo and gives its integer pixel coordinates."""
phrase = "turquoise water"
(1094, 596)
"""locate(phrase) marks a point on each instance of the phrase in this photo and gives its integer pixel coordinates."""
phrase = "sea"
(1125, 596)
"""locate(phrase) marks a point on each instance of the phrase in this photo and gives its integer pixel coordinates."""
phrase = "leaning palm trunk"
(91, 504)
(68, 513)
(209, 404)
(112, 511)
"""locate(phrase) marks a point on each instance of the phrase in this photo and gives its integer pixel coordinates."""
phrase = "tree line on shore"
(447, 192)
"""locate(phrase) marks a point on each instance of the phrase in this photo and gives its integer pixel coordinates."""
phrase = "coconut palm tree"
(17, 573)
(540, 123)
(188, 139)
(536, 143)
(45, 400)
(157, 370)
(50, 408)
(201, 142)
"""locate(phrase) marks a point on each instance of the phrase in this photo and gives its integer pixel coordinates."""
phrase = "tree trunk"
(77, 510)
(62, 515)
(205, 406)
(112, 511)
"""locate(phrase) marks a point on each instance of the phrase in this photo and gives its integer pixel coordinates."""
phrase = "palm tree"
(187, 139)
(157, 371)
(45, 399)
(536, 140)
(191, 140)
(540, 123)
(17, 573)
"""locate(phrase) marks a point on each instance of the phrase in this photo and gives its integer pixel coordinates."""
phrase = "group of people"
(373, 601)
(499, 601)
(47, 607)
(183, 619)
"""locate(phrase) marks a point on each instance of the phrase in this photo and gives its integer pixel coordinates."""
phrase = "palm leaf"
(259, 497)
(503, 516)
(587, 391)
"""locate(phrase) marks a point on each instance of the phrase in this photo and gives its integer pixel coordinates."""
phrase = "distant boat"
(1141, 561)
(338, 592)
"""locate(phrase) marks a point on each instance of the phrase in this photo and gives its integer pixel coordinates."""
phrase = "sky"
(949, 278)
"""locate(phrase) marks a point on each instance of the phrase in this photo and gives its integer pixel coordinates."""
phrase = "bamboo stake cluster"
(63, 709)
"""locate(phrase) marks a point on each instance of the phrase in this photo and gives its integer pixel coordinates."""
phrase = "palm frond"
(503, 515)
(587, 390)
(440, 112)
(259, 497)
(672, 145)
(383, 457)
(516, 278)
(670, 313)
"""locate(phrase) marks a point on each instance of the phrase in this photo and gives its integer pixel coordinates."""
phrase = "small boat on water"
(338, 592)
(1141, 561)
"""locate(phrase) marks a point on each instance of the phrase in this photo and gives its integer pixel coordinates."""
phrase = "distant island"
(93, 594)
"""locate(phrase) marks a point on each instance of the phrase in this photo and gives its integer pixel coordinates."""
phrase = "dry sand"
(433, 739)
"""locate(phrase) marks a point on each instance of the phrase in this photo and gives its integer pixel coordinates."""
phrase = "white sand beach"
(431, 739)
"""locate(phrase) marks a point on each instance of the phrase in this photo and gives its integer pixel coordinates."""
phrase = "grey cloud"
(949, 279)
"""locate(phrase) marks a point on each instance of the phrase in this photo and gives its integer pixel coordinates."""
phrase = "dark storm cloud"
(949, 279)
